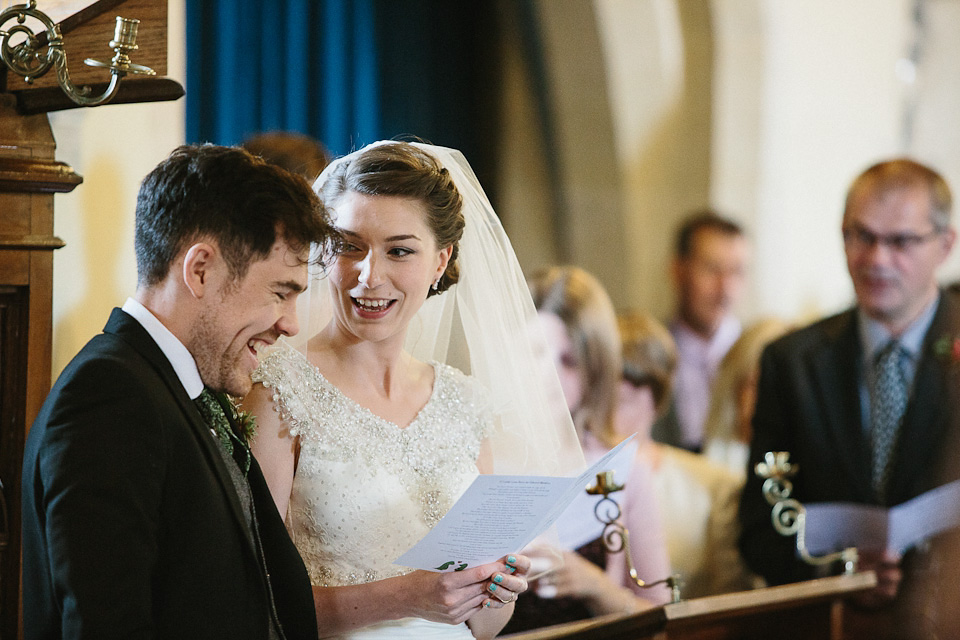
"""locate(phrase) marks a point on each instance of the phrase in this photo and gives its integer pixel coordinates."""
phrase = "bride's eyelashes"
(402, 252)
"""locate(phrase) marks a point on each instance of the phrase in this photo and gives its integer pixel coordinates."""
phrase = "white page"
(578, 524)
(497, 515)
(832, 526)
(925, 516)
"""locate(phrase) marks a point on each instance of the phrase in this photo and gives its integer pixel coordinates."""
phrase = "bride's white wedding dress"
(366, 489)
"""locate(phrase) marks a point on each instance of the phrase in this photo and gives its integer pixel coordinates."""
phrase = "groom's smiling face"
(245, 315)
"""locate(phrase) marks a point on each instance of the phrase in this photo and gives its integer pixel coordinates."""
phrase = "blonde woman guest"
(734, 396)
(696, 499)
(578, 318)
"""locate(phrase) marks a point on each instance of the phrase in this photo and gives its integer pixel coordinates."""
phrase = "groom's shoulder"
(108, 360)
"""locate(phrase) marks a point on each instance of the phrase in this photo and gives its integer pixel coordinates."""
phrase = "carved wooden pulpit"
(29, 177)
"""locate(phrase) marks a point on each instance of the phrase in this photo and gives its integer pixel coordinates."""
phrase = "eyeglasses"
(858, 239)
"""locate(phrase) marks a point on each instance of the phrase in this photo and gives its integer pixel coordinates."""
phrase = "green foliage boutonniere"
(244, 419)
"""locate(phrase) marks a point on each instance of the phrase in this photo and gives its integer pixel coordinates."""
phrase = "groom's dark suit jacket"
(808, 403)
(131, 525)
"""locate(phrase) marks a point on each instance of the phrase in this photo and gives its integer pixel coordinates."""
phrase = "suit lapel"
(927, 417)
(133, 333)
(834, 368)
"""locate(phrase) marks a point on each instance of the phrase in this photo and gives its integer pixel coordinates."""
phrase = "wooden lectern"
(29, 177)
(799, 611)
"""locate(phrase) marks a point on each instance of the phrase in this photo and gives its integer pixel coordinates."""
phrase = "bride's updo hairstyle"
(401, 169)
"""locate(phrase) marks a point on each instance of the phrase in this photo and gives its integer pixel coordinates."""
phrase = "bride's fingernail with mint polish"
(492, 587)
(498, 578)
(511, 569)
(511, 559)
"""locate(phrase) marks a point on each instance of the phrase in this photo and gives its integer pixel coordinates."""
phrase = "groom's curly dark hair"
(226, 195)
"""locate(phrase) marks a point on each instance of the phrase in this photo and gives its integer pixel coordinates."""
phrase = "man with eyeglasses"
(865, 401)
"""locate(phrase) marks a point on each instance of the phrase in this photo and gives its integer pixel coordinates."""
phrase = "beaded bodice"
(365, 489)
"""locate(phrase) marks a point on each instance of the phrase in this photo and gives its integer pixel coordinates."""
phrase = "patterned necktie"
(212, 410)
(888, 402)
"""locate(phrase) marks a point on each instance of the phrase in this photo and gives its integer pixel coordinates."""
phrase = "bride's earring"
(436, 284)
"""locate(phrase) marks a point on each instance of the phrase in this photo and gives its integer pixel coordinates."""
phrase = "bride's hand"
(508, 580)
(454, 597)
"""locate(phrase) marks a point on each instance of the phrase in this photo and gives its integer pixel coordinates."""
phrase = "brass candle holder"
(616, 537)
(25, 53)
(789, 516)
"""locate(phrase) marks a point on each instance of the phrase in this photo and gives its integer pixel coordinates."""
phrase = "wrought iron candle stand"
(616, 537)
(30, 58)
(789, 515)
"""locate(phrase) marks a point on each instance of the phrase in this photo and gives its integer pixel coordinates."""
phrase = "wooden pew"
(800, 611)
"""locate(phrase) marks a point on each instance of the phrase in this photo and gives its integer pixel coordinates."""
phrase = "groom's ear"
(203, 269)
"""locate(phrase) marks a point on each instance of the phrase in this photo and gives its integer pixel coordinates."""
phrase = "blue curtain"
(347, 72)
(295, 65)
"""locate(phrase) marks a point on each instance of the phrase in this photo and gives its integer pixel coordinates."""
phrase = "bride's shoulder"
(281, 363)
(464, 388)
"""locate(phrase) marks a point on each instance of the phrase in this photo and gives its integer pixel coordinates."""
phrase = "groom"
(143, 513)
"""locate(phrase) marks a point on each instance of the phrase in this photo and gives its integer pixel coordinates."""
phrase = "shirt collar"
(179, 356)
(874, 336)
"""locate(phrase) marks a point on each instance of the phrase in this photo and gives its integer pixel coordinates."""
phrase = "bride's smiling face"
(388, 261)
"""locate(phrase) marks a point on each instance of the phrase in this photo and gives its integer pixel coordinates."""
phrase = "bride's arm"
(273, 446)
(449, 598)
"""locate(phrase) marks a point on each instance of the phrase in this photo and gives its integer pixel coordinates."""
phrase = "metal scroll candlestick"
(616, 537)
(26, 55)
(789, 515)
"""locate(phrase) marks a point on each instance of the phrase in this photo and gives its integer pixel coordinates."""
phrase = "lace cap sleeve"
(286, 372)
(475, 399)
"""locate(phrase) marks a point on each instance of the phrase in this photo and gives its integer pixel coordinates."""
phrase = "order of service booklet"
(497, 515)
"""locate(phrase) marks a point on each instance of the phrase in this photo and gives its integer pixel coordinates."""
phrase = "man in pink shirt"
(709, 276)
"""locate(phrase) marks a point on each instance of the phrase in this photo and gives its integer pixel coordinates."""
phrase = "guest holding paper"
(578, 318)
(367, 431)
(865, 401)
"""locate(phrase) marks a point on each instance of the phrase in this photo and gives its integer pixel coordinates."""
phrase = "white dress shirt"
(179, 356)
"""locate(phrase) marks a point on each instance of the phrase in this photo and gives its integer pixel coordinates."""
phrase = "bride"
(366, 432)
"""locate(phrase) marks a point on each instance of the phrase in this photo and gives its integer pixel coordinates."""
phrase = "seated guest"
(709, 277)
(696, 498)
(866, 401)
(578, 318)
(727, 431)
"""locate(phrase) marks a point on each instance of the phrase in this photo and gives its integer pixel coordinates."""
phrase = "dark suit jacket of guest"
(808, 403)
(132, 527)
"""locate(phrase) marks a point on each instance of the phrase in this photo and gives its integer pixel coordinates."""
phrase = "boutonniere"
(246, 421)
(947, 349)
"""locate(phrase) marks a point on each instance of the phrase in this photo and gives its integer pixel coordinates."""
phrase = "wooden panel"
(23, 137)
(13, 356)
(88, 35)
(14, 267)
(14, 211)
(34, 175)
(54, 99)
(58, 10)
